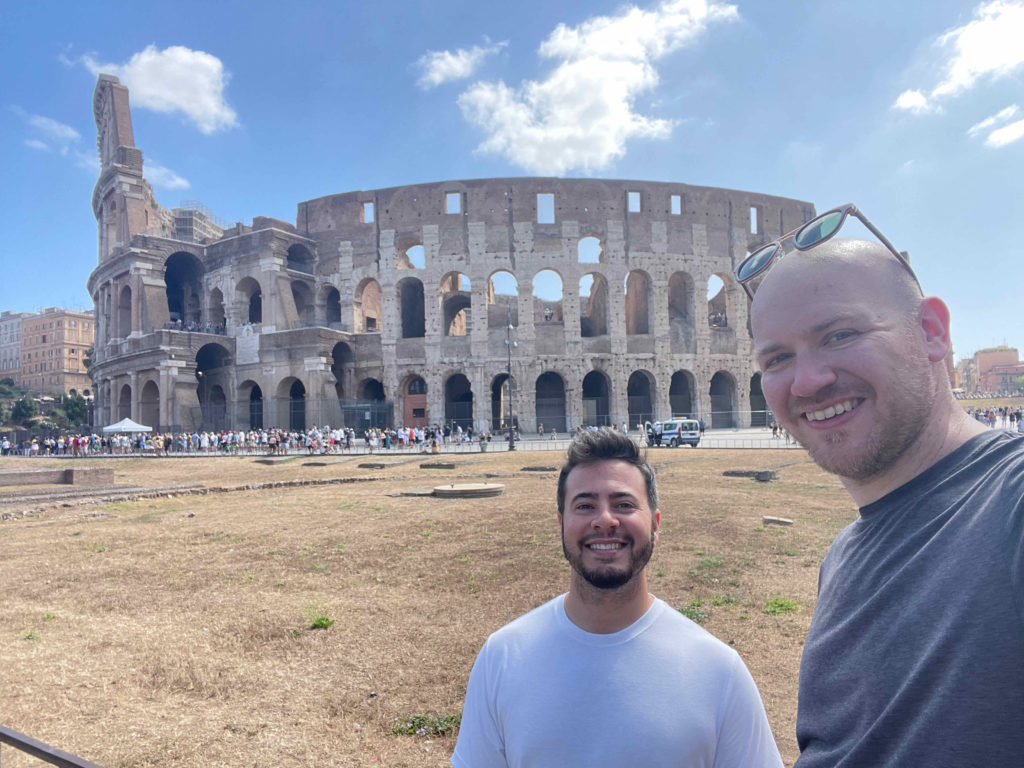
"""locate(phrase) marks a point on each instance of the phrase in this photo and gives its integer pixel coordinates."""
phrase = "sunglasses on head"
(818, 230)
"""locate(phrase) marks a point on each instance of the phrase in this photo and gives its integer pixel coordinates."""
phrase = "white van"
(675, 432)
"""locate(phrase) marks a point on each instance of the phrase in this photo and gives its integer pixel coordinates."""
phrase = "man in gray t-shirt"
(915, 655)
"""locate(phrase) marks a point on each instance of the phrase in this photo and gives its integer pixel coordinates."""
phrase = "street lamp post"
(508, 370)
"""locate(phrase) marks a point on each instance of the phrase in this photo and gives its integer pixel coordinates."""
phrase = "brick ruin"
(412, 305)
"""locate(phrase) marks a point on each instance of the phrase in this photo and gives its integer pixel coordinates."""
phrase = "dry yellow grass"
(136, 634)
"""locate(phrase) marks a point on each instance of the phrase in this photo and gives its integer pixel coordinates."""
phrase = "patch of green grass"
(341, 547)
(695, 611)
(48, 617)
(660, 572)
(96, 547)
(777, 605)
(425, 725)
(714, 561)
(318, 618)
(29, 634)
(724, 601)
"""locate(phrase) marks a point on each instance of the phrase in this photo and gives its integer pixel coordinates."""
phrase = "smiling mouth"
(833, 410)
(606, 547)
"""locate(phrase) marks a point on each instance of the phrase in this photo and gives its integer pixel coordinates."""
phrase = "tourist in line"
(607, 674)
(914, 654)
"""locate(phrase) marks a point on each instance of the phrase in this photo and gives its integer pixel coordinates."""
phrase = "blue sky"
(913, 111)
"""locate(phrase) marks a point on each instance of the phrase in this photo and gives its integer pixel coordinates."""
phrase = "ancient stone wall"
(417, 304)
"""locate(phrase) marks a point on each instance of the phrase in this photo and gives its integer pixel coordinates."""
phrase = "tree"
(1020, 383)
(75, 409)
(24, 409)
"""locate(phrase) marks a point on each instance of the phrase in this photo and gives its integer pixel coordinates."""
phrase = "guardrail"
(44, 752)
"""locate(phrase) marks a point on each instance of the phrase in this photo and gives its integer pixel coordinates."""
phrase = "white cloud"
(988, 47)
(913, 101)
(1006, 135)
(159, 176)
(48, 135)
(999, 117)
(443, 66)
(176, 79)
(582, 114)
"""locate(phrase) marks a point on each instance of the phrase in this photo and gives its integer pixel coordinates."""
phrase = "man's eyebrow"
(592, 495)
(824, 325)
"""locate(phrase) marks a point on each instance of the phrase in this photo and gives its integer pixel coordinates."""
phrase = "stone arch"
(300, 259)
(330, 298)
(412, 308)
(593, 305)
(597, 399)
(718, 310)
(212, 372)
(341, 367)
(414, 406)
(293, 391)
(149, 405)
(216, 309)
(681, 325)
(250, 398)
(251, 297)
(502, 408)
(368, 307)
(183, 277)
(502, 300)
(549, 391)
(413, 257)
(759, 416)
(641, 393)
(458, 401)
(456, 304)
(547, 297)
(680, 394)
(723, 400)
(124, 403)
(124, 312)
(638, 303)
(371, 389)
(589, 251)
(302, 295)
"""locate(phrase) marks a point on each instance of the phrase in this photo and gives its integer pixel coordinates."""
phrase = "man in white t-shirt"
(607, 674)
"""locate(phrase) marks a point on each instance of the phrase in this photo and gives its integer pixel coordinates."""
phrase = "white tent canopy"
(126, 425)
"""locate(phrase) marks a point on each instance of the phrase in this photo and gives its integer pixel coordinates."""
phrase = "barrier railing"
(44, 752)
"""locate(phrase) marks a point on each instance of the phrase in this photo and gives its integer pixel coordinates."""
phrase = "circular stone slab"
(468, 490)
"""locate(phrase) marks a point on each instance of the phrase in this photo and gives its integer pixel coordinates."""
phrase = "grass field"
(179, 631)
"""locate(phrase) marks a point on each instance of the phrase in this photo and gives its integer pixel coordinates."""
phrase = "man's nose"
(605, 518)
(811, 374)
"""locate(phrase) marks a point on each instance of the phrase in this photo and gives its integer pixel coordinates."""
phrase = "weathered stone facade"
(395, 304)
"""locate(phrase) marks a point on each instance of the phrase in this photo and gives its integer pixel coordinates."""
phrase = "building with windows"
(557, 301)
(54, 347)
(10, 344)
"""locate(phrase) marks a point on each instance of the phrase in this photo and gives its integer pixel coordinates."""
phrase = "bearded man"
(915, 654)
(607, 674)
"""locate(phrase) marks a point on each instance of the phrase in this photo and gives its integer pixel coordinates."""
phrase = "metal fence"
(44, 752)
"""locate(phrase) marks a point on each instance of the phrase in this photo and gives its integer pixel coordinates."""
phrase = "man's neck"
(945, 434)
(603, 611)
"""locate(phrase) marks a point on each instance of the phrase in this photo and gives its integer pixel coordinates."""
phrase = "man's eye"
(773, 362)
(841, 336)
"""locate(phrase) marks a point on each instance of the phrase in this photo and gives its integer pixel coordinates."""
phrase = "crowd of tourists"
(274, 442)
(1004, 417)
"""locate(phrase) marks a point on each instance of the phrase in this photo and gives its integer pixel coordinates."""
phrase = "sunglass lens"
(757, 261)
(818, 230)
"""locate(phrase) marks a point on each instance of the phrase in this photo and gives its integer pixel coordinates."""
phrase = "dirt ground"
(177, 631)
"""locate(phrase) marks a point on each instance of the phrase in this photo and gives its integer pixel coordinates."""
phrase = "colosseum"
(561, 302)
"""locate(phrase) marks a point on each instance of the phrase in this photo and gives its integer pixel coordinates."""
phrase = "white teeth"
(832, 411)
(605, 546)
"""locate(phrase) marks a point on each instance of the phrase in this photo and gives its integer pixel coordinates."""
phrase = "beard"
(609, 576)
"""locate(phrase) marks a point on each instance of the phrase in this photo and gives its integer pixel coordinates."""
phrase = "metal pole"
(508, 343)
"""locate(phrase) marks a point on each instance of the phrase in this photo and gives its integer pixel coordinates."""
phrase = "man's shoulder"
(532, 624)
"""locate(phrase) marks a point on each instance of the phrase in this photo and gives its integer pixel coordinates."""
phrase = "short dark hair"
(604, 444)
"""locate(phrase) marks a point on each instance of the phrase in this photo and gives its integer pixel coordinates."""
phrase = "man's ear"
(934, 322)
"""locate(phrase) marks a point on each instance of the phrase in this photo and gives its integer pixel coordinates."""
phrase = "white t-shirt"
(661, 692)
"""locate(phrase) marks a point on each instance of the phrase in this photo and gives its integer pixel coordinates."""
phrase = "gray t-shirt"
(915, 655)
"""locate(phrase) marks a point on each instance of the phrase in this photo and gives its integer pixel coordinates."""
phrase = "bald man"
(915, 655)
